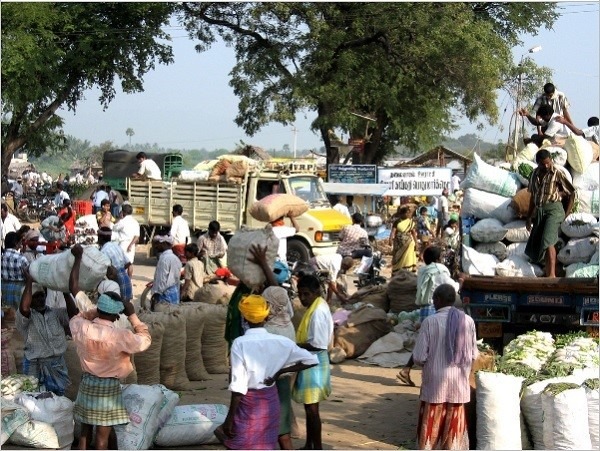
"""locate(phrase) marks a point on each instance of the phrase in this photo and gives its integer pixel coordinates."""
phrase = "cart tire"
(145, 299)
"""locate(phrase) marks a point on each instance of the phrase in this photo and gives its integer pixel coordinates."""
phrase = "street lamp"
(535, 49)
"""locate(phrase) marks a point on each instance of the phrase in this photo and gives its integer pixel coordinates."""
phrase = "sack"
(579, 153)
(275, 206)
(475, 263)
(488, 178)
(219, 168)
(578, 250)
(498, 411)
(172, 354)
(528, 152)
(587, 202)
(520, 203)
(593, 403)
(375, 295)
(214, 345)
(565, 422)
(147, 363)
(517, 249)
(486, 205)
(488, 230)
(595, 150)
(169, 402)
(238, 254)
(13, 416)
(53, 271)
(517, 232)
(584, 270)
(515, 266)
(578, 225)
(194, 176)
(558, 155)
(56, 411)
(143, 403)
(402, 292)
(237, 169)
(498, 249)
(355, 340)
(34, 434)
(192, 425)
(215, 293)
(587, 181)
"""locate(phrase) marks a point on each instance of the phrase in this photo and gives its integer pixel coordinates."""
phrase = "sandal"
(405, 379)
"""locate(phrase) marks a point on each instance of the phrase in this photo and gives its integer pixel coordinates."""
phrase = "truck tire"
(297, 251)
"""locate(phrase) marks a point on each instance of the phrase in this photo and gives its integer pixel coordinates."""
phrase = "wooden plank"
(531, 284)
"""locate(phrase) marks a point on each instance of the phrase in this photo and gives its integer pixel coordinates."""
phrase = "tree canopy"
(409, 66)
(53, 51)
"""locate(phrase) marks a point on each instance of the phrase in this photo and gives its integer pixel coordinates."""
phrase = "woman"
(403, 239)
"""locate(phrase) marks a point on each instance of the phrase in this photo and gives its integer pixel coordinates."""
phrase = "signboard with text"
(354, 173)
(415, 181)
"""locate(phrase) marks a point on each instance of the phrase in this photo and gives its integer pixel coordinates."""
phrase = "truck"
(229, 203)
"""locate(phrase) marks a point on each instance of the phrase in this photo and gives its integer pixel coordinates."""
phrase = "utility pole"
(295, 132)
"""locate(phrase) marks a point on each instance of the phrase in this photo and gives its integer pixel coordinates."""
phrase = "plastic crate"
(52, 247)
(82, 207)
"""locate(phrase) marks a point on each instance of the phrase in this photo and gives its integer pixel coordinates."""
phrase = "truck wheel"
(297, 251)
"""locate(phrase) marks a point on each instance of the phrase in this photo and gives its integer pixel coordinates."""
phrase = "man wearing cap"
(118, 259)
(43, 332)
(105, 355)
(168, 272)
(258, 358)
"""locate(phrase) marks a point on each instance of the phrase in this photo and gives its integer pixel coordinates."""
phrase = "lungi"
(170, 295)
(11, 292)
(544, 232)
(442, 426)
(51, 372)
(314, 384)
(284, 390)
(256, 422)
(426, 311)
(100, 401)
(124, 282)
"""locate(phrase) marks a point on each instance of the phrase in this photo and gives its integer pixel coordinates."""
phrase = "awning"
(354, 189)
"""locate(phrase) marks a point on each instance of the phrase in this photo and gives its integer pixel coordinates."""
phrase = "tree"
(54, 51)
(407, 65)
(129, 132)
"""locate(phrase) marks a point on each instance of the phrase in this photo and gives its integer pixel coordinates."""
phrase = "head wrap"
(254, 308)
(280, 308)
(31, 234)
(164, 239)
(109, 286)
(109, 305)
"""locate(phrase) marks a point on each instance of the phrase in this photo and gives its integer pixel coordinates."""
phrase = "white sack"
(498, 411)
(595, 260)
(577, 270)
(516, 266)
(498, 249)
(13, 416)
(169, 402)
(578, 225)
(35, 434)
(475, 263)
(192, 425)
(565, 424)
(517, 249)
(589, 180)
(593, 404)
(579, 153)
(516, 231)
(559, 155)
(578, 250)
(194, 176)
(53, 271)
(488, 178)
(588, 201)
(488, 230)
(390, 351)
(487, 205)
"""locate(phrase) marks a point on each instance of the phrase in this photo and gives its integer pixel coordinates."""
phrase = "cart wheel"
(145, 299)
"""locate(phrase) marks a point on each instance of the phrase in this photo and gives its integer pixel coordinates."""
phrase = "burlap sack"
(215, 293)
(402, 292)
(375, 295)
(274, 206)
(220, 168)
(484, 361)
(214, 346)
(355, 340)
(520, 203)
(147, 363)
(74, 370)
(237, 169)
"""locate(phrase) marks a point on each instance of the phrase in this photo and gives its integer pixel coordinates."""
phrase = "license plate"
(489, 330)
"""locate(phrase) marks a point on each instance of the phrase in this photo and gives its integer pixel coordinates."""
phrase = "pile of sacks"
(496, 204)
(226, 169)
(86, 230)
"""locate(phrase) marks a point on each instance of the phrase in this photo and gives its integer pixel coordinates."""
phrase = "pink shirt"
(103, 349)
(441, 382)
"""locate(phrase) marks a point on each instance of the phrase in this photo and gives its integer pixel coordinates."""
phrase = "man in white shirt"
(148, 170)
(443, 212)
(127, 231)
(180, 230)
(61, 195)
(591, 133)
(339, 206)
(97, 197)
(551, 127)
(9, 223)
(455, 182)
(333, 265)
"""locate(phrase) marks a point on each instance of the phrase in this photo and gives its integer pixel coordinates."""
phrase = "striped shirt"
(558, 101)
(442, 383)
(43, 333)
(548, 186)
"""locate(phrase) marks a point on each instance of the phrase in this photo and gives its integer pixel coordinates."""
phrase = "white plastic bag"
(516, 231)
(192, 425)
(588, 181)
(488, 178)
(194, 176)
(496, 249)
(579, 153)
(169, 403)
(35, 434)
(516, 266)
(487, 205)
(488, 230)
(559, 155)
(565, 420)
(578, 225)
(588, 201)
(517, 249)
(593, 403)
(585, 270)
(578, 250)
(475, 263)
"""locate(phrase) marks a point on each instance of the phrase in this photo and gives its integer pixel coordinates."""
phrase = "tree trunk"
(9, 147)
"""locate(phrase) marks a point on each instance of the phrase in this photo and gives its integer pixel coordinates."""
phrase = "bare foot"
(404, 377)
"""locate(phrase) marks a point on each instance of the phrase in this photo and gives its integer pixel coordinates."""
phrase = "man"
(591, 133)
(333, 265)
(31, 241)
(43, 332)
(339, 206)
(17, 189)
(9, 223)
(549, 188)
(180, 230)
(556, 100)
(53, 228)
(61, 196)
(351, 207)
(550, 127)
(13, 279)
(168, 272)
(258, 358)
(283, 232)
(105, 355)
(97, 197)
(193, 274)
(148, 170)
(354, 239)
(443, 212)
(455, 182)
(115, 201)
(118, 259)
(128, 234)
(212, 248)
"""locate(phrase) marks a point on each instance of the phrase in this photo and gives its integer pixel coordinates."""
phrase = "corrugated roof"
(436, 154)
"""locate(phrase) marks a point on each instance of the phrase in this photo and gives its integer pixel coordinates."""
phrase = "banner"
(352, 173)
(415, 181)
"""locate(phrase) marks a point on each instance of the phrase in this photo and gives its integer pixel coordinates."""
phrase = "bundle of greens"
(592, 384)
(525, 170)
(575, 352)
(558, 388)
(531, 349)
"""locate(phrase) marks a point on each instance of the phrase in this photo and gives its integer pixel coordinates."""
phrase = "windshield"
(309, 188)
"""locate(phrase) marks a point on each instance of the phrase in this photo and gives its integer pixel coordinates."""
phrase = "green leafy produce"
(557, 389)
(525, 170)
(562, 340)
(592, 384)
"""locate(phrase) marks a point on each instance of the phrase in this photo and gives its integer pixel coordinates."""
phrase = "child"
(193, 274)
(314, 334)
(104, 216)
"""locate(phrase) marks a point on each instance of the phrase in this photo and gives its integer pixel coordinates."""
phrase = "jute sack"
(194, 327)
(374, 295)
(355, 340)
(215, 293)
(74, 370)
(520, 203)
(274, 206)
(238, 254)
(237, 169)
(147, 363)
(214, 346)
(402, 292)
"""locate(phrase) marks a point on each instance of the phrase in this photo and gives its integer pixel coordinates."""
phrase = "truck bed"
(532, 284)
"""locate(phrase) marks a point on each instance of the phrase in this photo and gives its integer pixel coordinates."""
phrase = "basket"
(82, 207)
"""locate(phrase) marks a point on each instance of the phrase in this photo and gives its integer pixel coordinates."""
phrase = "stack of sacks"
(580, 254)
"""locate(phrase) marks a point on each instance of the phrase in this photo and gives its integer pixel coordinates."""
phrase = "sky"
(190, 105)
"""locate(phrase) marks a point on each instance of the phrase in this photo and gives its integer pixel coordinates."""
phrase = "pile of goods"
(496, 204)
(542, 394)
(225, 169)
(86, 230)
